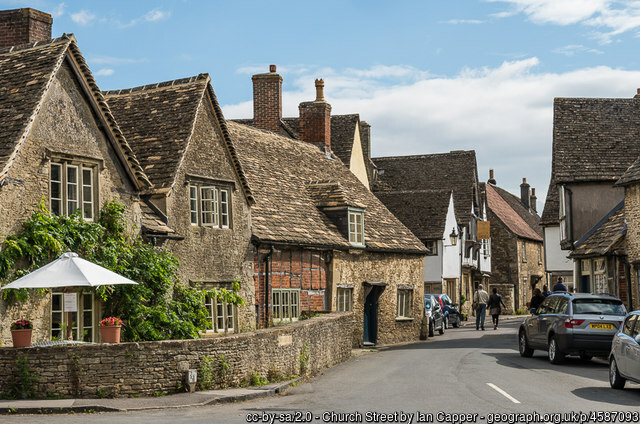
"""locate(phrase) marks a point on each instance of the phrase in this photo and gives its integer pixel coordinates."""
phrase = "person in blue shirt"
(559, 286)
(545, 291)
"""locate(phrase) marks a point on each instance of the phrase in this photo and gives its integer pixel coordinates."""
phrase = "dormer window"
(356, 226)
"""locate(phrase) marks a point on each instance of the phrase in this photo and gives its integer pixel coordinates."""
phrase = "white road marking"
(503, 393)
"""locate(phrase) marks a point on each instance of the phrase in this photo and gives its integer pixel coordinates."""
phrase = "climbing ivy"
(158, 308)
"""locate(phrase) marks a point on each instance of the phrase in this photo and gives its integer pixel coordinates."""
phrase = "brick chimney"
(525, 194)
(24, 26)
(534, 201)
(267, 100)
(491, 180)
(315, 120)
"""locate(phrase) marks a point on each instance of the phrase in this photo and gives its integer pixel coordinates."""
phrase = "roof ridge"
(426, 155)
(20, 47)
(163, 84)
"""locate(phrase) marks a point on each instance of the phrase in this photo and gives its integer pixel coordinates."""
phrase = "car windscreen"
(598, 306)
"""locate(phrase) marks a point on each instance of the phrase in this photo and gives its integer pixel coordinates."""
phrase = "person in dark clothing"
(559, 286)
(495, 303)
(536, 300)
(545, 291)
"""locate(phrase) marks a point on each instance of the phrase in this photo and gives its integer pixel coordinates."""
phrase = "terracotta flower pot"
(21, 338)
(110, 334)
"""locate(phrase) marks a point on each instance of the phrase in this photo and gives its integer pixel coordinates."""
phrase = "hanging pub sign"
(484, 232)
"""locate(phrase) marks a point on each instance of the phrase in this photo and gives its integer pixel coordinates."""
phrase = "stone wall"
(149, 368)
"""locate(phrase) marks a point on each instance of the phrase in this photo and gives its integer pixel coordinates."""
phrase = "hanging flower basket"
(21, 333)
(110, 330)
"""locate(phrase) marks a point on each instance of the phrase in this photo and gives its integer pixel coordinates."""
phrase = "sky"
(429, 76)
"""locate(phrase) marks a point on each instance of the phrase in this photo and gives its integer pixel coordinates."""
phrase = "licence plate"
(601, 326)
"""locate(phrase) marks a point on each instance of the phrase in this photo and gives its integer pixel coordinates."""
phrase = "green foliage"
(24, 383)
(158, 308)
(463, 299)
(256, 380)
(520, 312)
(304, 359)
(212, 371)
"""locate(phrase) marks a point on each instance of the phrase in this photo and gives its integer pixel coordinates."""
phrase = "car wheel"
(441, 330)
(431, 332)
(456, 323)
(555, 355)
(616, 381)
(585, 357)
(523, 345)
(446, 322)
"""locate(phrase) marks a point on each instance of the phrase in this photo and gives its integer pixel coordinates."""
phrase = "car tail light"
(570, 323)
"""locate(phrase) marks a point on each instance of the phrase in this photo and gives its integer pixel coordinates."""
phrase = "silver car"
(624, 360)
(572, 324)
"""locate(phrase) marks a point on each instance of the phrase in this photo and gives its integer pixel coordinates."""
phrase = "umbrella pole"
(69, 326)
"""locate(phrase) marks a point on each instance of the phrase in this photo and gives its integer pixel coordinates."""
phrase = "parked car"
(624, 359)
(572, 324)
(451, 313)
(433, 310)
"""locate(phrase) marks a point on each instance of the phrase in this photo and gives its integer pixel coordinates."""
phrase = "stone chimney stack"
(534, 200)
(315, 120)
(24, 26)
(491, 180)
(267, 100)
(525, 194)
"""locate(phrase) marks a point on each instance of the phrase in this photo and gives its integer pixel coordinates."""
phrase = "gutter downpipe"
(267, 282)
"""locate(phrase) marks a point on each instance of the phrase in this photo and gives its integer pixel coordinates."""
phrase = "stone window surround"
(404, 300)
(220, 218)
(285, 304)
(355, 229)
(89, 163)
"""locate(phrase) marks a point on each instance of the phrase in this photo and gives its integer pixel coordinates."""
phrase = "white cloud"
(463, 21)
(58, 11)
(104, 72)
(156, 15)
(608, 17)
(84, 17)
(573, 49)
(505, 113)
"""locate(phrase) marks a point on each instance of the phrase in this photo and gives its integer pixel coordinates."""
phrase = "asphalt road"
(461, 372)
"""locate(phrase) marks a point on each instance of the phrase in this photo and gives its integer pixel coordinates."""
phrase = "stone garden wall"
(152, 368)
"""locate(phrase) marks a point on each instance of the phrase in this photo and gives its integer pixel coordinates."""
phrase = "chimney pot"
(525, 194)
(319, 90)
(24, 26)
(491, 180)
(638, 90)
(267, 100)
(272, 68)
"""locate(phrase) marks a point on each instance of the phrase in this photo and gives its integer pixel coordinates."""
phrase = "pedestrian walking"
(559, 286)
(480, 298)
(545, 291)
(536, 300)
(495, 307)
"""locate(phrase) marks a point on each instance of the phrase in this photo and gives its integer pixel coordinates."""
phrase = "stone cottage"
(428, 180)
(322, 240)
(517, 248)
(58, 142)
(200, 193)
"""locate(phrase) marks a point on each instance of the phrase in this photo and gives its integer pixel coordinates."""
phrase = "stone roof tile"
(604, 236)
(511, 213)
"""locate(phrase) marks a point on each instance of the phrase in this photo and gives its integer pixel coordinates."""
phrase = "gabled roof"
(594, 139)
(26, 73)
(508, 209)
(550, 213)
(280, 172)
(455, 171)
(159, 119)
(604, 237)
(433, 206)
(631, 175)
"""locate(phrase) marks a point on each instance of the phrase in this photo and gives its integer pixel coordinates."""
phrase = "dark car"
(450, 309)
(572, 324)
(624, 359)
(433, 310)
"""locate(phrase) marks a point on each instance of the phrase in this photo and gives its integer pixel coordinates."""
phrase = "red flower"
(110, 322)
(22, 324)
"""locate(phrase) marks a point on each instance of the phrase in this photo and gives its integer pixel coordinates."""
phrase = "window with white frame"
(356, 227)
(600, 276)
(539, 254)
(285, 304)
(83, 324)
(220, 314)
(524, 251)
(209, 206)
(344, 299)
(403, 309)
(562, 214)
(71, 187)
(432, 247)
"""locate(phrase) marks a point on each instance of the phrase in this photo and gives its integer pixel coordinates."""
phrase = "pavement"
(178, 400)
(471, 322)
